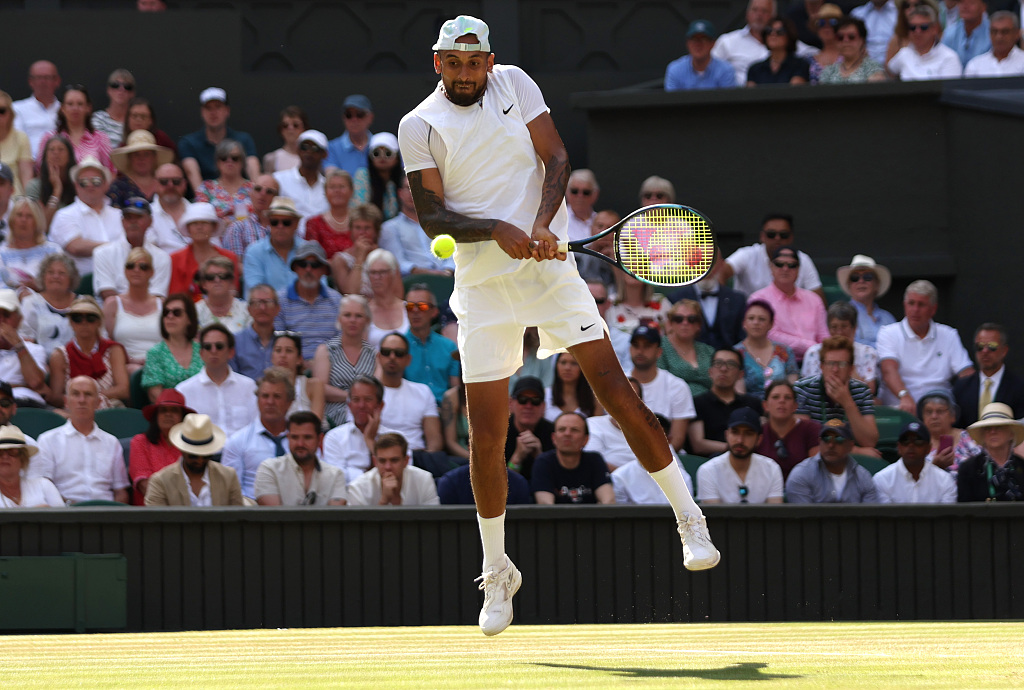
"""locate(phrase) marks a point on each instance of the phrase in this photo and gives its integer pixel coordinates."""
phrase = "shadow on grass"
(741, 671)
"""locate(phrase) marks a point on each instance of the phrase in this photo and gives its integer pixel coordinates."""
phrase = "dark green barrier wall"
(246, 568)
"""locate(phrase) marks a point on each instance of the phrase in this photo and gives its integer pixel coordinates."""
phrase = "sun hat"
(283, 206)
(996, 414)
(90, 162)
(11, 437)
(197, 435)
(85, 305)
(168, 398)
(199, 210)
(140, 140)
(384, 139)
(864, 263)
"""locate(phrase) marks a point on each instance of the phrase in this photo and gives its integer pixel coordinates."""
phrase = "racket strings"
(666, 246)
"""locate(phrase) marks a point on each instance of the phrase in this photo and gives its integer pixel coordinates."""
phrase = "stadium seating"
(122, 422)
(33, 421)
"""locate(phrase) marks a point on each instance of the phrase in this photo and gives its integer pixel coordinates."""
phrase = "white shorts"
(494, 315)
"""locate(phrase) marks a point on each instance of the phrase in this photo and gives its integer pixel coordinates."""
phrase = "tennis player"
(487, 166)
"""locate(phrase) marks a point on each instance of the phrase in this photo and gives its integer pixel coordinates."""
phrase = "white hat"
(214, 93)
(9, 300)
(90, 162)
(865, 263)
(996, 414)
(385, 139)
(459, 27)
(11, 437)
(199, 210)
(197, 435)
(315, 136)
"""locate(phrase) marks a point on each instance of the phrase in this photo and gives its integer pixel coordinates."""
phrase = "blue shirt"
(868, 326)
(251, 356)
(680, 75)
(196, 145)
(967, 47)
(247, 448)
(431, 362)
(264, 265)
(811, 482)
(454, 488)
(342, 153)
(317, 322)
(403, 237)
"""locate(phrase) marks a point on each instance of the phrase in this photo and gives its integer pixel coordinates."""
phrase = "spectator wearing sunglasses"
(89, 222)
(580, 197)
(200, 225)
(270, 260)
(348, 152)
(856, 66)
(89, 354)
(197, 150)
(109, 268)
(800, 320)
(751, 266)
(682, 353)
(865, 282)
(177, 356)
(822, 27)
(529, 433)
(377, 183)
(137, 162)
(900, 33)
(783, 65)
(241, 234)
(305, 184)
(308, 306)
(833, 475)
(432, 356)
(120, 89)
(168, 208)
(229, 398)
(230, 193)
(925, 57)
(740, 475)
(219, 304)
(409, 407)
(992, 382)
(133, 316)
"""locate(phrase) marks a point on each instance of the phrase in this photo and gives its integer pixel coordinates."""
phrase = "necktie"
(986, 396)
(278, 443)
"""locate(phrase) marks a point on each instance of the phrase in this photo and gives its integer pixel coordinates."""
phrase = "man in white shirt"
(266, 437)
(108, 277)
(298, 478)
(350, 445)
(664, 393)
(912, 479)
(168, 207)
(879, 16)
(1005, 59)
(403, 237)
(22, 364)
(924, 57)
(37, 114)
(90, 221)
(744, 47)
(740, 475)
(304, 184)
(229, 398)
(393, 481)
(84, 462)
(409, 407)
(580, 197)
(916, 354)
(751, 266)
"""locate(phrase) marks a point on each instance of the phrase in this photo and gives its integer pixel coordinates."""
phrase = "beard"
(462, 97)
(741, 452)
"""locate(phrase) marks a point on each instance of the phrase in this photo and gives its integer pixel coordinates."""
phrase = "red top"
(146, 460)
(184, 267)
(317, 230)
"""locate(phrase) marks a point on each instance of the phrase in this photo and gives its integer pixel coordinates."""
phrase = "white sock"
(670, 479)
(492, 535)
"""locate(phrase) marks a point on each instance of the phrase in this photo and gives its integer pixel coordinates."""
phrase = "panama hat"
(11, 437)
(140, 140)
(996, 414)
(865, 263)
(197, 435)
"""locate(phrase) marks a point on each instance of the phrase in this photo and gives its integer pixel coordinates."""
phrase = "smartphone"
(945, 441)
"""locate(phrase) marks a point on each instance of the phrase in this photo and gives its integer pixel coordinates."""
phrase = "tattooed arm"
(551, 150)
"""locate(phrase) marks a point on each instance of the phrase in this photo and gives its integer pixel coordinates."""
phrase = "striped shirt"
(812, 401)
(242, 233)
(316, 321)
(344, 372)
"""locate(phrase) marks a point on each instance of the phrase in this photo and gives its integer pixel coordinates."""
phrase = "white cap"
(9, 301)
(385, 139)
(459, 27)
(317, 137)
(214, 93)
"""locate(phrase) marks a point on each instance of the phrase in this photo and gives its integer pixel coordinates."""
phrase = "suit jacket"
(167, 487)
(967, 389)
(727, 330)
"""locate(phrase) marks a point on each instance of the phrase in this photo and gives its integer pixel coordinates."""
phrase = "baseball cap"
(384, 139)
(9, 301)
(136, 205)
(530, 384)
(838, 428)
(310, 249)
(702, 26)
(648, 333)
(917, 429)
(787, 252)
(6, 389)
(357, 100)
(745, 416)
(214, 93)
(6, 172)
(459, 27)
(315, 136)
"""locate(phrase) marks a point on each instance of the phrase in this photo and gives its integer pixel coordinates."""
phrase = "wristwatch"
(903, 393)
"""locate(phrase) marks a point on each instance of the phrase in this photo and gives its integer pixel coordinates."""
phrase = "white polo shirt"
(895, 484)
(717, 480)
(418, 488)
(309, 200)
(986, 65)
(669, 395)
(345, 447)
(754, 272)
(941, 62)
(83, 467)
(79, 220)
(925, 363)
(405, 408)
(35, 119)
(230, 405)
(164, 230)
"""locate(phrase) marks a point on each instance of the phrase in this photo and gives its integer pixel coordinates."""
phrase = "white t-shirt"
(405, 408)
(608, 440)
(635, 486)
(418, 488)
(487, 162)
(754, 272)
(79, 220)
(925, 363)
(941, 62)
(986, 65)
(717, 480)
(668, 395)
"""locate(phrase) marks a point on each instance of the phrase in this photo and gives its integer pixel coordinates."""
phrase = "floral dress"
(758, 377)
(224, 202)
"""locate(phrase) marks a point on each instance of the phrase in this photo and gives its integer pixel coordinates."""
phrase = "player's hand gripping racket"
(663, 244)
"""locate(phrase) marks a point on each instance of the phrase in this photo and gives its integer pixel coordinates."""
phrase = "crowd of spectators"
(267, 316)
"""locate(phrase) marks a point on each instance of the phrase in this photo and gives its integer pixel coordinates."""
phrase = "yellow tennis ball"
(443, 246)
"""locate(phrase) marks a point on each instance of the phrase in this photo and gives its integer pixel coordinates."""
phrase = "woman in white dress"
(133, 319)
(17, 490)
(45, 312)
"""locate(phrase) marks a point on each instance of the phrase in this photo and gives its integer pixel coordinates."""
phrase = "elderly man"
(403, 237)
(108, 277)
(432, 359)
(698, 69)
(663, 392)
(879, 16)
(831, 476)
(193, 480)
(409, 407)
(254, 227)
(305, 183)
(348, 152)
(751, 266)
(253, 344)
(969, 35)
(997, 473)
(580, 196)
(912, 479)
(37, 114)
(568, 474)
(529, 433)
(744, 47)
(267, 435)
(227, 397)
(350, 445)
(84, 462)
(90, 221)
(800, 320)
(298, 478)
(740, 475)
(308, 306)
(22, 364)
(1005, 59)
(197, 149)
(715, 407)
(17, 490)
(917, 354)
(993, 382)
(924, 57)
(834, 394)
(270, 259)
(169, 207)
(393, 481)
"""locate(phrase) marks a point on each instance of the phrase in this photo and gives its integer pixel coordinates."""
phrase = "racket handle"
(563, 247)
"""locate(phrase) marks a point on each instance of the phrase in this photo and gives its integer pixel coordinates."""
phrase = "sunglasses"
(786, 264)
(833, 438)
(355, 114)
(866, 277)
(141, 265)
(233, 159)
(167, 181)
(781, 450)
(990, 346)
(83, 318)
(529, 400)
(418, 306)
(269, 190)
(919, 442)
(725, 364)
(688, 318)
(775, 31)
(175, 311)
(121, 85)
(274, 222)
(847, 37)
(218, 346)
(389, 351)
(919, 27)
(744, 492)
(380, 153)
(213, 277)
(584, 192)
(86, 182)
(832, 21)
(600, 300)
(781, 234)
(309, 146)
(305, 263)
(6, 402)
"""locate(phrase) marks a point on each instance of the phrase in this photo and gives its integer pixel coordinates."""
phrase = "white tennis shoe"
(698, 551)
(499, 587)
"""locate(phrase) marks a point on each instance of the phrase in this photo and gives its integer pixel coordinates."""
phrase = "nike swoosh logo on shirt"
(583, 328)
(505, 111)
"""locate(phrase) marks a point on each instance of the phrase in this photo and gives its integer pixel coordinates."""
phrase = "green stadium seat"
(33, 421)
(121, 422)
(99, 502)
(830, 285)
(690, 464)
(137, 396)
(85, 285)
(871, 464)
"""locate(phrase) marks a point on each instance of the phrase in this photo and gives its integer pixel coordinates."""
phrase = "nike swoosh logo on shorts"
(505, 111)
(583, 328)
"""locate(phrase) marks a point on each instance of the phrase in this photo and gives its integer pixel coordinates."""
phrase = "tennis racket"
(662, 244)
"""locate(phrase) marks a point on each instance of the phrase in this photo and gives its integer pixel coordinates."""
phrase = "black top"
(792, 66)
(979, 479)
(570, 486)
(715, 413)
(542, 431)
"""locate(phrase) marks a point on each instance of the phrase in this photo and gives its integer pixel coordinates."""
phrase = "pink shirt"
(93, 144)
(800, 319)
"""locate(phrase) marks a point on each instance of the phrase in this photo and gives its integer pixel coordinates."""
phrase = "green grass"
(770, 655)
